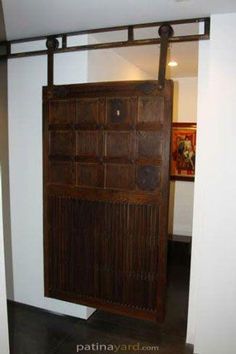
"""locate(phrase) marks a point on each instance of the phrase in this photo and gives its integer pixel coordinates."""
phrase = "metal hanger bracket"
(52, 44)
(165, 33)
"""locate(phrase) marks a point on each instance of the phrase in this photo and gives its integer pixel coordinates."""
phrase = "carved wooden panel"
(149, 144)
(62, 112)
(118, 111)
(120, 176)
(61, 172)
(119, 144)
(90, 175)
(62, 143)
(106, 182)
(151, 109)
(88, 143)
(87, 111)
(148, 177)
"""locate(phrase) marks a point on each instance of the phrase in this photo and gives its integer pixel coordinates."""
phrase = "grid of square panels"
(109, 143)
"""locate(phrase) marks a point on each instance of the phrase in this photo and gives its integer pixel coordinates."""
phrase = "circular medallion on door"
(148, 177)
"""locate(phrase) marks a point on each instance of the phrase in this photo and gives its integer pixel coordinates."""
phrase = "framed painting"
(183, 151)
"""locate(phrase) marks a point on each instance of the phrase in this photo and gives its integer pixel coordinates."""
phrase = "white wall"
(212, 306)
(185, 100)
(107, 65)
(4, 340)
(26, 77)
(5, 171)
(181, 193)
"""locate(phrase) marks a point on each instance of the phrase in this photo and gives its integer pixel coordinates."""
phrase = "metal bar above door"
(7, 52)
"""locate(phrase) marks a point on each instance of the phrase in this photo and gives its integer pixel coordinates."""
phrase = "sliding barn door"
(106, 183)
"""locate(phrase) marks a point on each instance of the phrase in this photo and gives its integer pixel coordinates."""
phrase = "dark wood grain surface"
(106, 188)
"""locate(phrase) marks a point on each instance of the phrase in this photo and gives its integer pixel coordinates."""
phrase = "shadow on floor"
(33, 331)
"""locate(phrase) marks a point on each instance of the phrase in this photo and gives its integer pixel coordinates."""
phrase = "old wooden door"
(106, 183)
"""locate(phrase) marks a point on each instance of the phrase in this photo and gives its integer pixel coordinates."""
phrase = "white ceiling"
(26, 18)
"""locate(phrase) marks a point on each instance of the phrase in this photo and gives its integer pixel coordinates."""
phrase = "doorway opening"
(141, 64)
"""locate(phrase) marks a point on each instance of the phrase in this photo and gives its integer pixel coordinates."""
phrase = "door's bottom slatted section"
(102, 250)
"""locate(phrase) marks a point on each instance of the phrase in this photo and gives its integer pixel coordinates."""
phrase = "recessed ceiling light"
(173, 63)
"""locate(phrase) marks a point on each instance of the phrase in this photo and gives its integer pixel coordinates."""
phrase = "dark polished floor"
(33, 331)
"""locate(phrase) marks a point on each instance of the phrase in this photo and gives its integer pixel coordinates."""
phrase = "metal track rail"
(6, 47)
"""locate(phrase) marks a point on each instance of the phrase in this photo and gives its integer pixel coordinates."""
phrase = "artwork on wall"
(183, 151)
